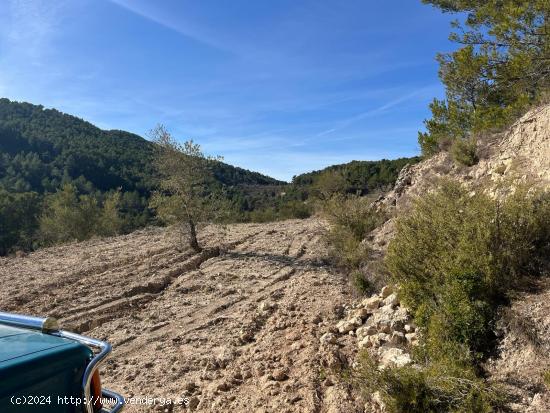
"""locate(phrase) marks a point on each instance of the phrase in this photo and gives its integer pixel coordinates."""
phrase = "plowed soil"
(235, 329)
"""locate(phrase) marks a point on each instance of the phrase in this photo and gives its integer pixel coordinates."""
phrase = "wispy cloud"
(376, 111)
(184, 27)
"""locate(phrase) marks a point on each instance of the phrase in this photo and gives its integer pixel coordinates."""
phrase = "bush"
(546, 378)
(410, 389)
(354, 213)
(361, 283)
(69, 216)
(464, 151)
(351, 219)
(456, 257)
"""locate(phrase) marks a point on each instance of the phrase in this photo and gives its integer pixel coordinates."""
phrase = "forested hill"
(62, 178)
(42, 148)
(358, 177)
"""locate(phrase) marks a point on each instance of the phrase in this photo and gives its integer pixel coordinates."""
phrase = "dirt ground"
(238, 331)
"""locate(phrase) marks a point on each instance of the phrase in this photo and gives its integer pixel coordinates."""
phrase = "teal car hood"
(17, 342)
(33, 363)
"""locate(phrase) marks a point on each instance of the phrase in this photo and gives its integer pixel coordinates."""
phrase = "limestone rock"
(371, 303)
(394, 357)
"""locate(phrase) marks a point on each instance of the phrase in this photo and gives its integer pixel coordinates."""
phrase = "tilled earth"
(231, 330)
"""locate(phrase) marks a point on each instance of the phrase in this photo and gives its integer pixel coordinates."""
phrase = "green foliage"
(361, 283)
(546, 378)
(456, 256)
(351, 218)
(500, 69)
(464, 152)
(440, 388)
(18, 220)
(328, 184)
(187, 195)
(68, 216)
(42, 150)
(355, 178)
(110, 221)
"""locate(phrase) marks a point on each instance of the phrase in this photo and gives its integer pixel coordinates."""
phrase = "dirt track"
(235, 332)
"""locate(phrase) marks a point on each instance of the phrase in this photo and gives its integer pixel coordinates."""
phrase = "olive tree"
(187, 193)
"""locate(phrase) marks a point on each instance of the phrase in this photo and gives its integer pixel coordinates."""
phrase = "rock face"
(517, 155)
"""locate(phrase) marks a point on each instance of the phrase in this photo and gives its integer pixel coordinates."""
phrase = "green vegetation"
(351, 219)
(546, 378)
(18, 220)
(456, 258)
(435, 389)
(501, 68)
(355, 178)
(112, 175)
(464, 152)
(187, 195)
(68, 216)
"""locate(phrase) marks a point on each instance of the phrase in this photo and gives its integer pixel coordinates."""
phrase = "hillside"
(40, 148)
(360, 177)
(519, 154)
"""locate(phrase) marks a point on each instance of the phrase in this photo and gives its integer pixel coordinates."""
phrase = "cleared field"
(233, 330)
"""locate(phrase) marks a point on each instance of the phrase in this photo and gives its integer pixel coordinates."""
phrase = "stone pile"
(380, 325)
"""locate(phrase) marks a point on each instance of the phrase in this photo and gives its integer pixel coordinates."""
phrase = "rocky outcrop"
(520, 154)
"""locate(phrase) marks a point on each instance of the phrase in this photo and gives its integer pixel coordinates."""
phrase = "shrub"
(410, 389)
(351, 219)
(546, 378)
(464, 151)
(68, 216)
(361, 283)
(354, 213)
(457, 256)
(295, 209)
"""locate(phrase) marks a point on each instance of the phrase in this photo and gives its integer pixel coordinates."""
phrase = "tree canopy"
(501, 67)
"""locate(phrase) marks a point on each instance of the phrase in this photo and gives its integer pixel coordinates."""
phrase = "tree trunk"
(193, 242)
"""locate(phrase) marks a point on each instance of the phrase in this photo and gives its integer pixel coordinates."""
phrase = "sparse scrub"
(351, 219)
(456, 257)
(464, 152)
(436, 389)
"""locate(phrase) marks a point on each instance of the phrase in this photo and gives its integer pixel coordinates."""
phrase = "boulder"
(279, 375)
(391, 300)
(345, 326)
(394, 357)
(361, 312)
(365, 331)
(412, 338)
(371, 303)
(397, 338)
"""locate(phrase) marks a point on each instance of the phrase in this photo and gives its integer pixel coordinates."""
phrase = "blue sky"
(281, 87)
